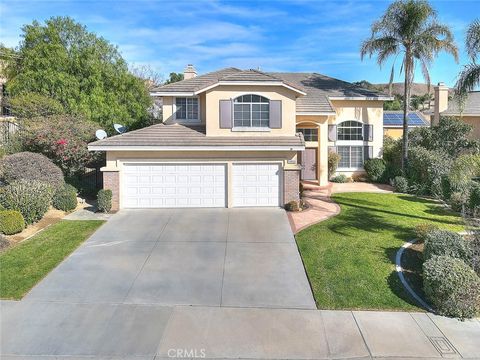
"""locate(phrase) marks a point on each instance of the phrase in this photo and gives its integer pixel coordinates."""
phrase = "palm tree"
(409, 29)
(469, 78)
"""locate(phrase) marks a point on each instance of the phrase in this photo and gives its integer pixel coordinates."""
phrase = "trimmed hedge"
(423, 229)
(375, 169)
(31, 198)
(65, 198)
(339, 179)
(11, 222)
(452, 287)
(104, 199)
(30, 166)
(400, 184)
(447, 243)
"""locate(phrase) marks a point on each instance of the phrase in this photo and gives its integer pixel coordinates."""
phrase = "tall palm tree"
(469, 78)
(409, 29)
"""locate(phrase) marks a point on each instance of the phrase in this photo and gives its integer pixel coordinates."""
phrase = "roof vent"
(190, 72)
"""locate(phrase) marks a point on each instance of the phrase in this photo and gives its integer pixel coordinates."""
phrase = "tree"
(149, 76)
(409, 28)
(83, 72)
(174, 77)
(30, 105)
(469, 78)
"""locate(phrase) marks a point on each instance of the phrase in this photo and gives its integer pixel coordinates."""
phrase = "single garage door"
(173, 185)
(256, 184)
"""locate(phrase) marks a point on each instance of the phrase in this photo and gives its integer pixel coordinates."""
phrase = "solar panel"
(396, 119)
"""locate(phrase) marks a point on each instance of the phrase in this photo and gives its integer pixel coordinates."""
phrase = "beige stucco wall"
(395, 133)
(475, 122)
(225, 92)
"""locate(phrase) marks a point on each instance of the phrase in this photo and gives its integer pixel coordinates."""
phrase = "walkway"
(147, 331)
(322, 207)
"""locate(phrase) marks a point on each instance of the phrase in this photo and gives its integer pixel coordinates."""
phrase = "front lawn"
(25, 264)
(350, 258)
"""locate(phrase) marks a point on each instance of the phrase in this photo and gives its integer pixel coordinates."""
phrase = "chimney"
(189, 72)
(441, 101)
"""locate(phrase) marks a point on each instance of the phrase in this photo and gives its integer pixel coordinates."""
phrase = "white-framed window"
(187, 109)
(309, 134)
(350, 130)
(251, 111)
(351, 157)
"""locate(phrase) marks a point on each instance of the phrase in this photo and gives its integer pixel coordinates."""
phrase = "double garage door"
(170, 185)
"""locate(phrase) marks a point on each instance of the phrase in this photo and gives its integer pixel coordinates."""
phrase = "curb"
(399, 270)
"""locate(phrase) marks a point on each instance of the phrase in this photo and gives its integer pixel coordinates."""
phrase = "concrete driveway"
(214, 257)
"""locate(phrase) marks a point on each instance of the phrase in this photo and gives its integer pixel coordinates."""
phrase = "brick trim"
(291, 185)
(111, 181)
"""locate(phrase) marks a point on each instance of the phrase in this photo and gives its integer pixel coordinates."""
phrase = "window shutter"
(332, 132)
(367, 132)
(367, 152)
(275, 114)
(226, 114)
(332, 149)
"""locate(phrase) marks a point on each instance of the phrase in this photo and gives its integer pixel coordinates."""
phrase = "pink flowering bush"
(63, 139)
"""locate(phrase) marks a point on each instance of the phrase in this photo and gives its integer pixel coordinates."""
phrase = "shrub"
(32, 104)
(292, 206)
(333, 160)
(104, 199)
(31, 198)
(423, 229)
(447, 243)
(64, 139)
(458, 201)
(65, 198)
(400, 184)
(339, 179)
(474, 198)
(375, 169)
(426, 169)
(30, 166)
(11, 222)
(451, 286)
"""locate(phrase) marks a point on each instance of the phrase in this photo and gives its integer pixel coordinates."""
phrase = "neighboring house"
(393, 122)
(469, 112)
(233, 138)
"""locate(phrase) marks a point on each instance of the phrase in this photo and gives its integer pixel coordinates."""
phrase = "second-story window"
(186, 109)
(309, 134)
(350, 130)
(251, 111)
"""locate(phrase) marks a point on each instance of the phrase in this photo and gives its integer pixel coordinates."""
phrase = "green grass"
(350, 258)
(25, 264)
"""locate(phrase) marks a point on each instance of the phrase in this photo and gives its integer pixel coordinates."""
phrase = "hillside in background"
(418, 89)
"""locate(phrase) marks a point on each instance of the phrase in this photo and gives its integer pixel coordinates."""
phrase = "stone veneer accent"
(111, 182)
(291, 185)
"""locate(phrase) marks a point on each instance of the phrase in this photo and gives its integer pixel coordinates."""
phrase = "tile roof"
(318, 88)
(470, 107)
(186, 136)
(395, 119)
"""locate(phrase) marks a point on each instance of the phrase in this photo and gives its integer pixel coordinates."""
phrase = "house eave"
(192, 148)
(316, 113)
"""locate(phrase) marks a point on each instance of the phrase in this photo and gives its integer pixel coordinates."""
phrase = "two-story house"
(236, 138)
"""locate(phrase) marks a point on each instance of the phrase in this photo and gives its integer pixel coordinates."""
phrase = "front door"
(309, 164)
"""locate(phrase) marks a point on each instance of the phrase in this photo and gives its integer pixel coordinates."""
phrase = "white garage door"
(256, 185)
(173, 185)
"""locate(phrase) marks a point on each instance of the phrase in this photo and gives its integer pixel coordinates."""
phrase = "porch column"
(322, 166)
(111, 181)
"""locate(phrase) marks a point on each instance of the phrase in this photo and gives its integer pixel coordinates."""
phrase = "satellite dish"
(100, 134)
(119, 128)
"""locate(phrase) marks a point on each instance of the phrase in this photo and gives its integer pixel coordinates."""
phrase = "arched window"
(251, 111)
(350, 130)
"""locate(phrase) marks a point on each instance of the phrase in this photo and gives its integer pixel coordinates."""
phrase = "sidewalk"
(132, 331)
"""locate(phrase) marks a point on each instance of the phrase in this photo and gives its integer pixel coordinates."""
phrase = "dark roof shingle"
(470, 107)
(186, 136)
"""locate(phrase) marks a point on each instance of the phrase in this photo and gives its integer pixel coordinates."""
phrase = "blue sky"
(320, 36)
